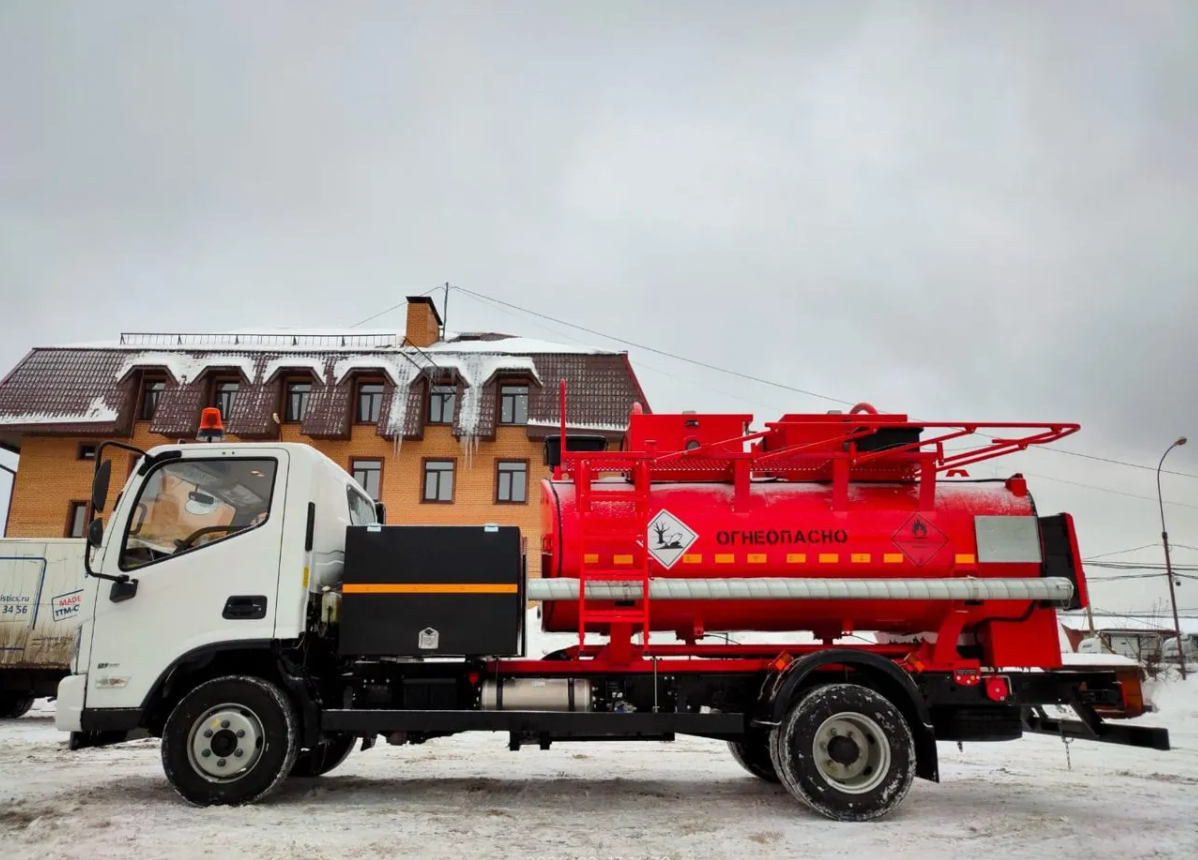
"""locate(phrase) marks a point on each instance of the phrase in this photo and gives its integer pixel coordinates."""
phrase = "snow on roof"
(296, 362)
(186, 367)
(307, 339)
(575, 425)
(1164, 621)
(516, 346)
(97, 412)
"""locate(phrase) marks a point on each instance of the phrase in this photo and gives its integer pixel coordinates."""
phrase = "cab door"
(201, 534)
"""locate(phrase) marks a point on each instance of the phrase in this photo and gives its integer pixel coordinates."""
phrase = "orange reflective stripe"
(429, 588)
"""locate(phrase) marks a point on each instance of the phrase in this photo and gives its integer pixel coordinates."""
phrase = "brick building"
(441, 431)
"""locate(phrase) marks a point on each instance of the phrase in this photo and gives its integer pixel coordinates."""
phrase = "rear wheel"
(230, 741)
(323, 757)
(846, 751)
(14, 705)
(753, 754)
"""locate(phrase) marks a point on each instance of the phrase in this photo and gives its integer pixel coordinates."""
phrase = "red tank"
(834, 496)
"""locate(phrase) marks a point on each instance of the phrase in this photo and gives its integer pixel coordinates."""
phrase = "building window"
(77, 519)
(87, 452)
(297, 401)
(438, 481)
(370, 402)
(226, 396)
(369, 474)
(511, 481)
(441, 402)
(150, 393)
(513, 404)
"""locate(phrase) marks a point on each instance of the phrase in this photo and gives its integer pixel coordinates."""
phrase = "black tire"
(14, 705)
(194, 754)
(866, 752)
(323, 757)
(753, 754)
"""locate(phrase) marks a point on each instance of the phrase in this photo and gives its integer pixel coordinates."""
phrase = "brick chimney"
(424, 323)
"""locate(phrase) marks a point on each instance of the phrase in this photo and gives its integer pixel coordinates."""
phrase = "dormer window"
(151, 391)
(297, 401)
(513, 404)
(370, 402)
(442, 400)
(224, 396)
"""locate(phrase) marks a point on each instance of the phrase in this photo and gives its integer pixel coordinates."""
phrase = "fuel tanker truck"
(249, 605)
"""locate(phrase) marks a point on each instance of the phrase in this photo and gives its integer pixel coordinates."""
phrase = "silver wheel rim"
(225, 743)
(851, 753)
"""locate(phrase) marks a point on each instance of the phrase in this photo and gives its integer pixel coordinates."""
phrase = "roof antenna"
(445, 313)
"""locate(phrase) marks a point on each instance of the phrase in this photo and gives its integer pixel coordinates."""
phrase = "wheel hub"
(844, 751)
(851, 753)
(225, 743)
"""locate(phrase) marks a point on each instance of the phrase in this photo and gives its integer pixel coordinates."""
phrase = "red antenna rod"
(561, 454)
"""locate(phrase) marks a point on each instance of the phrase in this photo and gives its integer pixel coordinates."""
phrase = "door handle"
(245, 607)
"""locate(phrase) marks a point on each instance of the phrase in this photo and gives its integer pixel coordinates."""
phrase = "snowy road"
(470, 797)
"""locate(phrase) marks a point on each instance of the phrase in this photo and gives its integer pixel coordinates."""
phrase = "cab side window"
(361, 509)
(186, 505)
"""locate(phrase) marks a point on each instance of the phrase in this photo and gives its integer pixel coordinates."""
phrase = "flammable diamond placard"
(669, 538)
(919, 540)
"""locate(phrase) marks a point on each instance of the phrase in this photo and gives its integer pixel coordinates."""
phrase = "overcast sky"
(961, 210)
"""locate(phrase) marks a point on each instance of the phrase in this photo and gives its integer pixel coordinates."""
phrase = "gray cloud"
(959, 210)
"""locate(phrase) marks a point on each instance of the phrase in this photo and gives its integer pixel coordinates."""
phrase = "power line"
(1152, 499)
(795, 389)
(395, 307)
(783, 386)
(662, 352)
(1120, 551)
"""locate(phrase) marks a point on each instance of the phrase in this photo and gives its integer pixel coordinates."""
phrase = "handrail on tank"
(865, 421)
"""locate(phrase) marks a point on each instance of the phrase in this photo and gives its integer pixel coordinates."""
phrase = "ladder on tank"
(613, 536)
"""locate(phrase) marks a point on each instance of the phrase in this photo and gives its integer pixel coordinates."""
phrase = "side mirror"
(100, 485)
(380, 512)
(95, 533)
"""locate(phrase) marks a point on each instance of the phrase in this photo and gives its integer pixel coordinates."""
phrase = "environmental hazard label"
(669, 538)
(919, 540)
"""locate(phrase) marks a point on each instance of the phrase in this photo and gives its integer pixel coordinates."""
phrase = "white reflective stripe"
(1055, 589)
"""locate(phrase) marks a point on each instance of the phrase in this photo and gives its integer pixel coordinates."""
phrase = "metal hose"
(1053, 589)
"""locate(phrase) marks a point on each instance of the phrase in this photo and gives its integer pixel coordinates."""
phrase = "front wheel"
(230, 741)
(846, 751)
(323, 757)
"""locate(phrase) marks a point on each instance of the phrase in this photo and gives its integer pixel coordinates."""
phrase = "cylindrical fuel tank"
(792, 529)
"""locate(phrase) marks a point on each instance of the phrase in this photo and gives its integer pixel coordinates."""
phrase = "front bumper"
(69, 714)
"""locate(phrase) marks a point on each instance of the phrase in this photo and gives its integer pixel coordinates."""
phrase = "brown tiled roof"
(93, 390)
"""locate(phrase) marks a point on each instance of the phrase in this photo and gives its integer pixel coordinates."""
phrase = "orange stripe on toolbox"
(429, 588)
(860, 558)
(722, 558)
(622, 559)
(796, 558)
(966, 558)
(757, 558)
(591, 558)
(692, 559)
(893, 558)
(829, 557)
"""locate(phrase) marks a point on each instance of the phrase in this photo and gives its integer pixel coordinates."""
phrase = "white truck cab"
(207, 546)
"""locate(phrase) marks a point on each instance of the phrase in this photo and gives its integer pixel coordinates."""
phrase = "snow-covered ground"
(469, 797)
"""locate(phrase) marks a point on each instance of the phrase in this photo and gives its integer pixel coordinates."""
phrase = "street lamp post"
(1181, 658)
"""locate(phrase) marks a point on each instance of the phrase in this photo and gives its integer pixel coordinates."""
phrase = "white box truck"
(41, 595)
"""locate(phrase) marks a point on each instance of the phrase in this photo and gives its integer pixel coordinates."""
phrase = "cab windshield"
(187, 504)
